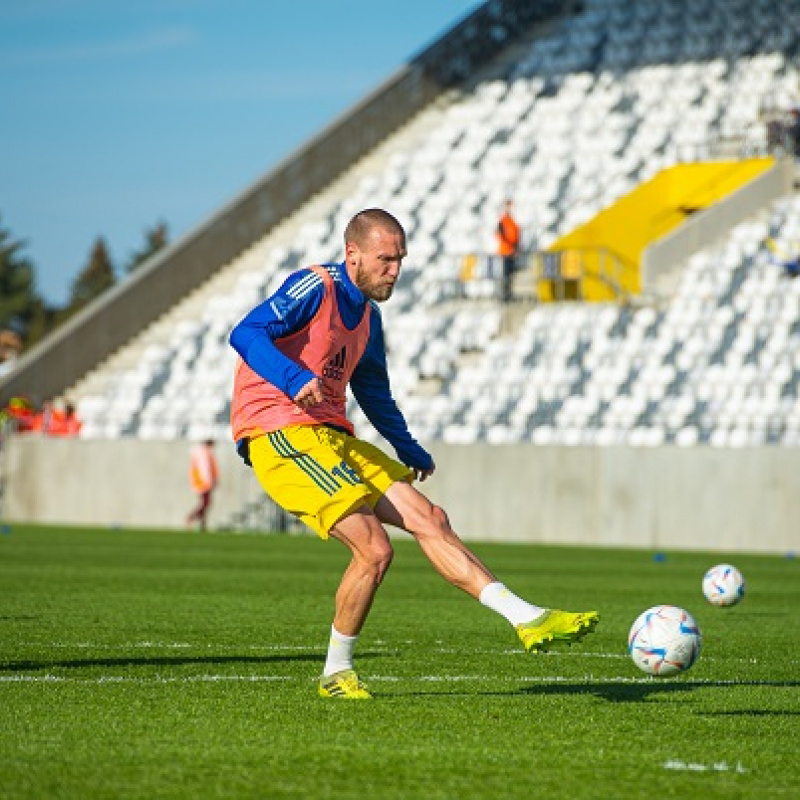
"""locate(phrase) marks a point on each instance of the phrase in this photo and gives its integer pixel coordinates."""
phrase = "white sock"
(507, 604)
(340, 652)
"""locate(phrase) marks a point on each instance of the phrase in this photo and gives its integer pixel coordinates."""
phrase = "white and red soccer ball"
(723, 585)
(664, 641)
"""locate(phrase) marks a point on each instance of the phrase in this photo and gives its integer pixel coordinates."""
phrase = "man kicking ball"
(299, 350)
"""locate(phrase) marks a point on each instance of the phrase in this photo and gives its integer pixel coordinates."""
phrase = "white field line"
(150, 680)
(163, 646)
(587, 680)
(692, 766)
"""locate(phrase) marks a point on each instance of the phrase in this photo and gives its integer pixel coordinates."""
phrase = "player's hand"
(422, 474)
(310, 395)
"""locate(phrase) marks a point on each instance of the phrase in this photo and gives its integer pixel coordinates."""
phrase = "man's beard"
(378, 292)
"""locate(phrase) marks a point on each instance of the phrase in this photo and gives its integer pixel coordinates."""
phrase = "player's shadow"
(624, 692)
(160, 661)
(611, 691)
(750, 712)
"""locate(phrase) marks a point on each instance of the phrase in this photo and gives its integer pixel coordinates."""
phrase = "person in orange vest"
(508, 240)
(70, 422)
(53, 421)
(204, 476)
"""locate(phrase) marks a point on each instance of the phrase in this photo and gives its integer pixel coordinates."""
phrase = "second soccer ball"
(723, 585)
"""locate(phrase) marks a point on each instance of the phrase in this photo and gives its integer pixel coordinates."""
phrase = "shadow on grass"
(614, 692)
(749, 712)
(637, 692)
(162, 661)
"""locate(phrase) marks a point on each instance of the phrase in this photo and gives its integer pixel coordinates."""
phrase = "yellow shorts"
(319, 474)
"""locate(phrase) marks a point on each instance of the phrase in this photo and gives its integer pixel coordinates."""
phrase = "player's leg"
(306, 477)
(202, 511)
(397, 502)
(362, 533)
(405, 507)
(196, 514)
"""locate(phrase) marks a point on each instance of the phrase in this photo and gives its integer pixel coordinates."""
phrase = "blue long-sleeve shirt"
(290, 309)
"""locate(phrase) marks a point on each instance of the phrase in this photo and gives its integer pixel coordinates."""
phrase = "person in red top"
(508, 241)
(204, 476)
(69, 424)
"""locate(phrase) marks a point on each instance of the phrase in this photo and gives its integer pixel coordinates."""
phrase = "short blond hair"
(363, 223)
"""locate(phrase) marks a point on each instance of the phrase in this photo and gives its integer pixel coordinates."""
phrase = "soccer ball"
(664, 640)
(723, 585)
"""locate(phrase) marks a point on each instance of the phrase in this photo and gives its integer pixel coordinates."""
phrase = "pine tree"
(17, 280)
(21, 307)
(97, 276)
(155, 239)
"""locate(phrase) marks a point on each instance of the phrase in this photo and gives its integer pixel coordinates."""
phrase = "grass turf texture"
(169, 665)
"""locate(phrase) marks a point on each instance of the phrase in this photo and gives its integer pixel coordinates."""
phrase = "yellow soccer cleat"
(344, 684)
(556, 626)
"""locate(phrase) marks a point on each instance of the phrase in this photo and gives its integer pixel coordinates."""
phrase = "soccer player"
(299, 350)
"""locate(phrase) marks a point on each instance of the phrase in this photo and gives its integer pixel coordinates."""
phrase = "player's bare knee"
(381, 556)
(440, 518)
(435, 523)
(385, 563)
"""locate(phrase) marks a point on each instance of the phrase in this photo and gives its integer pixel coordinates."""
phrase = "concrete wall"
(667, 497)
(661, 498)
(128, 482)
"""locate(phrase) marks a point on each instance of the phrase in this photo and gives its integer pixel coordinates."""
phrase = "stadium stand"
(587, 103)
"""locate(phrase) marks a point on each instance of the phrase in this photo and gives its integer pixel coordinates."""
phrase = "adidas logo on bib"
(334, 369)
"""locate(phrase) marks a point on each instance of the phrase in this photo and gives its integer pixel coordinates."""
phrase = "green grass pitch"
(147, 664)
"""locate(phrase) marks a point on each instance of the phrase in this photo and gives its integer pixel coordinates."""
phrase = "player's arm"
(370, 386)
(288, 310)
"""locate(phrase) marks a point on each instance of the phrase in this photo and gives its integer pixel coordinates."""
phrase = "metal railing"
(590, 273)
(552, 276)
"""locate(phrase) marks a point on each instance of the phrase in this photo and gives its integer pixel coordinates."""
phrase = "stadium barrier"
(701, 498)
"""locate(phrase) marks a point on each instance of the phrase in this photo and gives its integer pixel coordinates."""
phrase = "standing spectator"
(204, 474)
(66, 422)
(508, 241)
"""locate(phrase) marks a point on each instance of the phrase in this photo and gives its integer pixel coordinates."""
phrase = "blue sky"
(116, 116)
